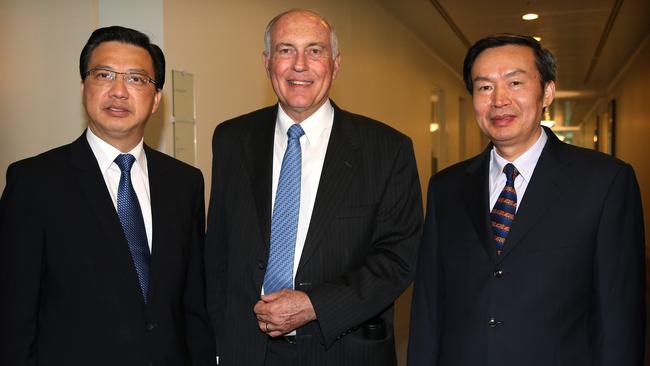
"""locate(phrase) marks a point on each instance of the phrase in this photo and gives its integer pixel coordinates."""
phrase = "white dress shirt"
(105, 155)
(313, 145)
(525, 164)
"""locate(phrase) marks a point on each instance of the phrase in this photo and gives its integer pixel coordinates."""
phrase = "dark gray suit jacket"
(69, 292)
(568, 288)
(359, 254)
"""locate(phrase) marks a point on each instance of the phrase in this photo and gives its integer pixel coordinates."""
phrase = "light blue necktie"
(284, 221)
(128, 209)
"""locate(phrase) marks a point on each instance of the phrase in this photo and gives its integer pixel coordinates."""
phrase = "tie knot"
(511, 172)
(295, 131)
(125, 162)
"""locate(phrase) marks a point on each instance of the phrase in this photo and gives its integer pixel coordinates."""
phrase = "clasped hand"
(281, 312)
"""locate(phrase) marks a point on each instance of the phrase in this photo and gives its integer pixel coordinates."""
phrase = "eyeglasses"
(105, 77)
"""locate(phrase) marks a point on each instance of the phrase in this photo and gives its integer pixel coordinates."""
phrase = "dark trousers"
(281, 352)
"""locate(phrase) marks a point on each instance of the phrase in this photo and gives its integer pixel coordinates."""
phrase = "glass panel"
(183, 116)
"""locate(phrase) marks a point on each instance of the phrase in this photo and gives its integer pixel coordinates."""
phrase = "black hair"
(124, 35)
(544, 59)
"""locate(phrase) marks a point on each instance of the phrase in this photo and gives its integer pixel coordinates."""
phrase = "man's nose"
(118, 88)
(500, 97)
(300, 62)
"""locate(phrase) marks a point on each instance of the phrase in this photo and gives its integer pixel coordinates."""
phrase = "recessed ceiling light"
(538, 39)
(530, 16)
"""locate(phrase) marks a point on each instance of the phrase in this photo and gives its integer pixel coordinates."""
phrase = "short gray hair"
(334, 42)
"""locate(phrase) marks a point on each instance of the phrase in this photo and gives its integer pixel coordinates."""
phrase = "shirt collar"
(525, 163)
(314, 125)
(106, 153)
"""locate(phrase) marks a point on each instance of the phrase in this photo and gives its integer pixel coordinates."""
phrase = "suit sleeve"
(215, 248)
(424, 335)
(388, 268)
(199, 332)
(620, 275)
(21, 253)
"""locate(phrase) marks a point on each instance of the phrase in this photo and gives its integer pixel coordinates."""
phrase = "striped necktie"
(503, 213)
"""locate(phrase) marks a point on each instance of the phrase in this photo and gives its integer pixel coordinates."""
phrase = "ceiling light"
(433, 127)
(530, 16)
(538, 39)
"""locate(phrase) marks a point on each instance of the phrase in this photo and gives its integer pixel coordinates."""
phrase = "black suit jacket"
(70, 294)
(567, 290)
(359, 254)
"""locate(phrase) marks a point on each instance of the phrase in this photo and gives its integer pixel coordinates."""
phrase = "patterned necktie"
(503, 213)
(128, 209)
(284, 222)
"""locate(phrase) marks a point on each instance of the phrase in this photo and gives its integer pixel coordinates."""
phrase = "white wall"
(40, 106)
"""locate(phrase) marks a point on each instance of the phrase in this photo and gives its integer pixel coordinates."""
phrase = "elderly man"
(314, 217)
(533, 251)
(101, 240)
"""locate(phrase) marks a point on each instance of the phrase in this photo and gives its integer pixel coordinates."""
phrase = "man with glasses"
(101, 240)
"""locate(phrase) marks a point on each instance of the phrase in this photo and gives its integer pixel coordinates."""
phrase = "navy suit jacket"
(568, 288)
(68, 288)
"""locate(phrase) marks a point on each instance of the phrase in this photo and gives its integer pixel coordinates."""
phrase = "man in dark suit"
(101, 240)
(542, 265)
(314, 217)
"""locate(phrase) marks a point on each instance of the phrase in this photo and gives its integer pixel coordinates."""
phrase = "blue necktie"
(503, 213)
(128, 209)
(284, 221)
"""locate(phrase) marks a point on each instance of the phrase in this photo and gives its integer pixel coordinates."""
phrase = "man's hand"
(281, 312)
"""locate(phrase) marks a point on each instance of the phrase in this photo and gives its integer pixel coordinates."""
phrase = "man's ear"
(156, 101)
(267, 62)
(549, 93)
(337, 65)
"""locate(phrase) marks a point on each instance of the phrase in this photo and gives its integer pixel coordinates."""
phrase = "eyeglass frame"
(124, 74)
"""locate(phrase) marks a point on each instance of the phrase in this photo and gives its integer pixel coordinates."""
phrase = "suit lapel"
(341, 162)
(162, 212)
(258, 146)
(477, 200)
(543, 191)
(93, 188)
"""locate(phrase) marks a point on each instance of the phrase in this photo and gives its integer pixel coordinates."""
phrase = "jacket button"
(261, 264)
(150, 326)
(498, 273)
(493, 323)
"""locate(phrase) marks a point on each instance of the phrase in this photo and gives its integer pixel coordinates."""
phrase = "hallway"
(401, 63)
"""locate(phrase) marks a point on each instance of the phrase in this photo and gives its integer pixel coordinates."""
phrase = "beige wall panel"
(40, 103)
(633, 123)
